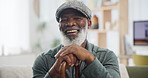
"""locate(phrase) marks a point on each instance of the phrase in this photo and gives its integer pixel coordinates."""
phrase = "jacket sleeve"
(39, 68)
(109, 68)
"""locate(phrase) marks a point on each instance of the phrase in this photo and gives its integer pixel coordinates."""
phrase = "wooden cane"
(63, 70)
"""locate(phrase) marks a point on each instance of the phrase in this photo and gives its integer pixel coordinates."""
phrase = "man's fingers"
(60, 51)
(73, 59)
(68, 60)
(66, 52)
(55, 68)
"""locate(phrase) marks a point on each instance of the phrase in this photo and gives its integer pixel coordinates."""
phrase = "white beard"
(78, 40)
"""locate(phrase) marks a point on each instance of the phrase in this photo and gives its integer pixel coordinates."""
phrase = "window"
(14, 26)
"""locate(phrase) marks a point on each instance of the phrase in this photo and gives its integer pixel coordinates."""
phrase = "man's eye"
(63, 20)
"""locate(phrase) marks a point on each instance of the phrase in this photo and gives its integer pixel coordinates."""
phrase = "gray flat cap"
(77, 5)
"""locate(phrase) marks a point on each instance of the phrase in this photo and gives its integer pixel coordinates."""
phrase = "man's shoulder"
(103, 53)
(97, 49)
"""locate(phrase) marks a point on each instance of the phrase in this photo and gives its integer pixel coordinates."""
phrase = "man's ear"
(89, 23)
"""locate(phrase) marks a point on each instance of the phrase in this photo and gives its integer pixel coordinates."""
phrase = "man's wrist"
(90, 59)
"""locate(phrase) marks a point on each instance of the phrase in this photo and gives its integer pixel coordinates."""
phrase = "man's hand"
(78, 51)
(70, 61)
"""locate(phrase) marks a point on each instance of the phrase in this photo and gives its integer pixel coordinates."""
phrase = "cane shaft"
(77, 71)
(63, 70)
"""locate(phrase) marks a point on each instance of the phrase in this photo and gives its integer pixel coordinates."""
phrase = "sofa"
(26, 71)
(16, 71)
(137, 71)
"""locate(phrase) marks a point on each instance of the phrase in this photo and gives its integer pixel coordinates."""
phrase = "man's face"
(73, 26)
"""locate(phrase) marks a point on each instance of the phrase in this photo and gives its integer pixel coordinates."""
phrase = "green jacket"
(105, 64)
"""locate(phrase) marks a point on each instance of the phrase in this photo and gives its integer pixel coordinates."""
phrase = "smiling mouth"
(72, 32)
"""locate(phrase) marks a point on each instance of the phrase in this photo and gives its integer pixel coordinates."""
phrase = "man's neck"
(84, 44)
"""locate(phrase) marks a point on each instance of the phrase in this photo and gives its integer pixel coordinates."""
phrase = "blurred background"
(29, 27)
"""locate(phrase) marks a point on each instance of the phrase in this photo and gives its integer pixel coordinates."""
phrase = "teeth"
(72, 31)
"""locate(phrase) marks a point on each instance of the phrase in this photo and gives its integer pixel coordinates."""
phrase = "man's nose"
(71, 23)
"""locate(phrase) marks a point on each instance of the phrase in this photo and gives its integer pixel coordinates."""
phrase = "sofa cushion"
(15, 71)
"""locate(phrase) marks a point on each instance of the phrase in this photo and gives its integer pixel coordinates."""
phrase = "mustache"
(70, 28)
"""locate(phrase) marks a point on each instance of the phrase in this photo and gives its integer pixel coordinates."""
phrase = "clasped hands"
(71, 55)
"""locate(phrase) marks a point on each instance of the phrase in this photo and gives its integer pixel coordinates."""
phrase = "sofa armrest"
(123, 71)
